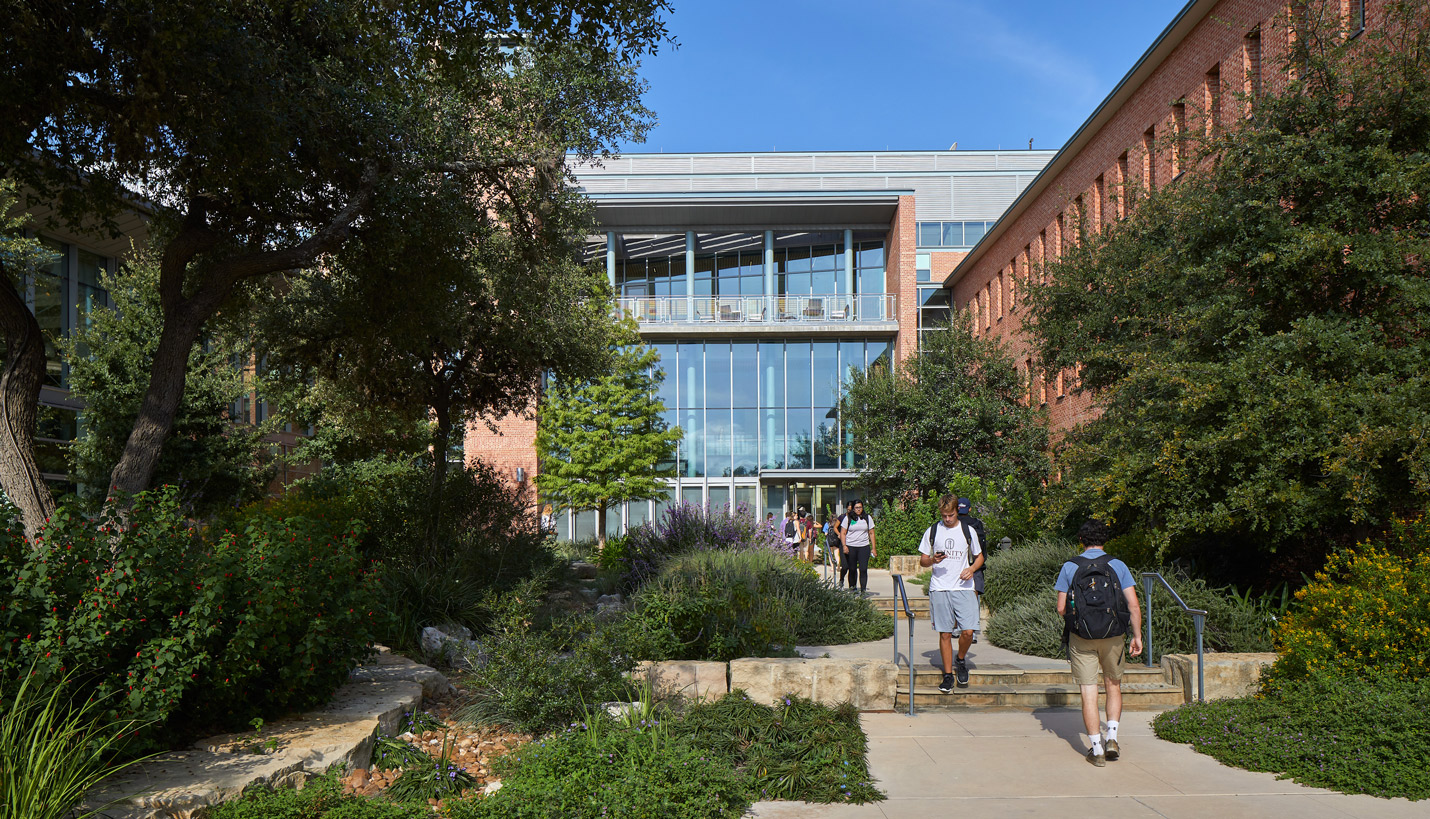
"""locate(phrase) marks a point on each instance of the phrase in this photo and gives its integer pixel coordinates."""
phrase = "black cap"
(964, 505)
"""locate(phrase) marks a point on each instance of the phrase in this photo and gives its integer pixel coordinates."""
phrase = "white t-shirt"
(950, 541)
(856, 532)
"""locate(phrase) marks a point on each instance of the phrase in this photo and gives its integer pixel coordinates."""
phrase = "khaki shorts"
(1089, 655)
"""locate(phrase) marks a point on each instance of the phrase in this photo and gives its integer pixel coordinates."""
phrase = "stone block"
(868, 684)
(690, 678)
(907, 565)
(1225, 675)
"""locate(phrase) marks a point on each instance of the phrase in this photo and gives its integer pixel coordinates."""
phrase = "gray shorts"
(954, 611)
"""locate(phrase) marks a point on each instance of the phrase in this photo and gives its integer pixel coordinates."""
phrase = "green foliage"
(688, 527)
(1349, 734)
(1005, 508)
(431, 777)
(1366, 614)
(900, 525)
(1255, 335)
(320, 798)
(612, 772)
(954, 408)
(1026, 570)
(797, 749)
(1028, 625)
(603, 440)
(535, 680)
(214, 461)
(723, 605)
(52, 749)
(486, 540)
(185, 629)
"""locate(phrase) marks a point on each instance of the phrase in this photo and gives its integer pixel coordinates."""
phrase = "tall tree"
(954, 408)
(262, 136)
(602, 440)
(214, 460)
(1256, 333)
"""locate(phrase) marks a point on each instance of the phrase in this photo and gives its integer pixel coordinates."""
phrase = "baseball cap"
(964, 504)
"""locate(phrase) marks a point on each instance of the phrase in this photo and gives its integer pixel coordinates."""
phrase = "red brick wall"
(902, 276)
(513, 446)
(1217, 43)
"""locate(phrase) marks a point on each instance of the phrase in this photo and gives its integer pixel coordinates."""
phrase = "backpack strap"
(968, 538)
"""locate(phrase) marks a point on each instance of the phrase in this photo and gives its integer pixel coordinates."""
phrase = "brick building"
(1201, 73)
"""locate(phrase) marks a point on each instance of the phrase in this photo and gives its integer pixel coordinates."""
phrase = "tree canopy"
(1255, 334)
(954, 408)
(602, 440)
(261, 138)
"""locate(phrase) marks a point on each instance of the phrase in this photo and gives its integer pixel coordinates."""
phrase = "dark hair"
(849, 509)
(1094, 533)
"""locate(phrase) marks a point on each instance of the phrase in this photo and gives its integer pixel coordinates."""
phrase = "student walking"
(953, 550)
(856, 534)
(1097, 598)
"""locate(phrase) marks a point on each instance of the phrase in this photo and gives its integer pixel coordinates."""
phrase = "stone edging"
(184, 783)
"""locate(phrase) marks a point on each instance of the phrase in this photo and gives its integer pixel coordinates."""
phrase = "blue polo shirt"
(1065, 577)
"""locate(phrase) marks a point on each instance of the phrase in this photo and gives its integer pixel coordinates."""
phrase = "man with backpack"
(1097, 598)
(965, 514)
(791, 531)
(951, 547)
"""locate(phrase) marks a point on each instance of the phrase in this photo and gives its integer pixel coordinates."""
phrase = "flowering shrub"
(1367, 613)
(692, 528)
(189, 631)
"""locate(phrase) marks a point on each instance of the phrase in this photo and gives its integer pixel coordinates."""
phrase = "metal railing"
(827, 309)
(1199, 621)
(901, 594)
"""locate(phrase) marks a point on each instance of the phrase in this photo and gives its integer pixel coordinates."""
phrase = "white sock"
(1096, 744)
(1111, 730)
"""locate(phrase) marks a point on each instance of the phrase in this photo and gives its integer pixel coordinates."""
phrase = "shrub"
(611, 772)
(899, 526)
(725, 605)
(797, 749)
(187, 632)
(1028, 625)
(1006, 511)
(1026, 570)
(534, 680)
(691, 528)
(320, 798)
(1353, 735)
(1366, 614)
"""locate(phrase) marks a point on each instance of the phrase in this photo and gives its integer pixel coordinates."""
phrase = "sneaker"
(1098, 760)
(975, 636)
(947, 684)
(961, 668)
(1113, 752)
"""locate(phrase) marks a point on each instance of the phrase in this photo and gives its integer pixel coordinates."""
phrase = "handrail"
(901, 593)
(832, 308)
(1199, 620)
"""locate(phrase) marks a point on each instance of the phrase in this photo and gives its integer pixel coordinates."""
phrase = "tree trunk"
(19, 404)
(601, 527)
(436, 489)
(160, 406)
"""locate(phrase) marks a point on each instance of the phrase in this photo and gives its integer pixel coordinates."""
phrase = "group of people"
(849, 537)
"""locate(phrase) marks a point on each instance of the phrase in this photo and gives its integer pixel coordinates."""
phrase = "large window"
(63, 294)
(952, 234)
(804, 264)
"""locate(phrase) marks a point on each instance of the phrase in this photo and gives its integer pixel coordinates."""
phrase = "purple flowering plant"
(689, 527)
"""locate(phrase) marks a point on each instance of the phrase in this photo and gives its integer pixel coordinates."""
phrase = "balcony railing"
(830, 309)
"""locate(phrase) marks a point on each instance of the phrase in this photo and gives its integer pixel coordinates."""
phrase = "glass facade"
(952, 234)
(804, 264)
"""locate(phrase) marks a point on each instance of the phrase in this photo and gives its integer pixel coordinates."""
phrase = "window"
(1061, 239)
(1251, 58)
(951, 234)
(1124, 183)
(1355, 18)
(1042, 254)
(1149, 159)
(1179, 138)
(935, 311)
(922, 267)
(1212, 94)
(1080, 218)
(1060, 385)
(998, 291)
(1099, 202)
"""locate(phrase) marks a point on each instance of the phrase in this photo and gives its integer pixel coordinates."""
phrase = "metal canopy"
(747, 211)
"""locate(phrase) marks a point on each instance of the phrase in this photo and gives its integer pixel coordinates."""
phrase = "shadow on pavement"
(1065, 723)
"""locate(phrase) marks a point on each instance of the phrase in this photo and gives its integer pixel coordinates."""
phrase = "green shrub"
(534, 680)
(1006, 511)
(611, 772)
(796, 750)
(1028, 625)
(1353, 735)
(1366, 614)
(900, 525)
(725, 605)
(1025, 570)
(688, 528)
(186, 632)
(320, 798)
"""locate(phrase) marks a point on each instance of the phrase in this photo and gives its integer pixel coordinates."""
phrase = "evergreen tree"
(603, 441)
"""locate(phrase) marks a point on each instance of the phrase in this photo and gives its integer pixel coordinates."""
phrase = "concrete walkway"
(1019, 763)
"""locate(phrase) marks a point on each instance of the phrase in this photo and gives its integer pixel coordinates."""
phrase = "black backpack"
(791, 528)
(1096, 606)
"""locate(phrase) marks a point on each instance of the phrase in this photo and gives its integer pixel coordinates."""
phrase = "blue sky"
(760, 75)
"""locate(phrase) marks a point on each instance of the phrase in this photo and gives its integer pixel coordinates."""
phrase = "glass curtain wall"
(805, 264)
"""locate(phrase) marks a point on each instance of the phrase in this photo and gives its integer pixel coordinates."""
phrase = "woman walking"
(856, 533)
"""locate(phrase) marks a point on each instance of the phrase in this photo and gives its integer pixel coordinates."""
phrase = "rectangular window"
(1212, 94)
(1124, 183)
(973, 232)
(1149, 159)
(998, 292)
(1099, 202)
(1060, 384)
(953, 234)
(1355, 17)
(1042, 255)
(1060, 241)
(1079, 219)
(930, 234)
(1179, 138)
(1251, 59)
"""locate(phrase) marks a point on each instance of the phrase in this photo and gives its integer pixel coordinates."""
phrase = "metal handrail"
(765, 309)
(900, 593)
(1199, 620)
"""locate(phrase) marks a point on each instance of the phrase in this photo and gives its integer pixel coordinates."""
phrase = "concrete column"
(849, 263)
(769, 263)
(690, 275)
(611, 259)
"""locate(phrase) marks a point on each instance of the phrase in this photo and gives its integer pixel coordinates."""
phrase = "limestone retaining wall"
(1224, 675)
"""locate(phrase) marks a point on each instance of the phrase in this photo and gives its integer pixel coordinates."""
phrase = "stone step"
(918, 606)
(931, 677)
(1135, 697)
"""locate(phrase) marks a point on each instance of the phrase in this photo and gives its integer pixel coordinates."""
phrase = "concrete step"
(931, 677)
(1135, 697)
